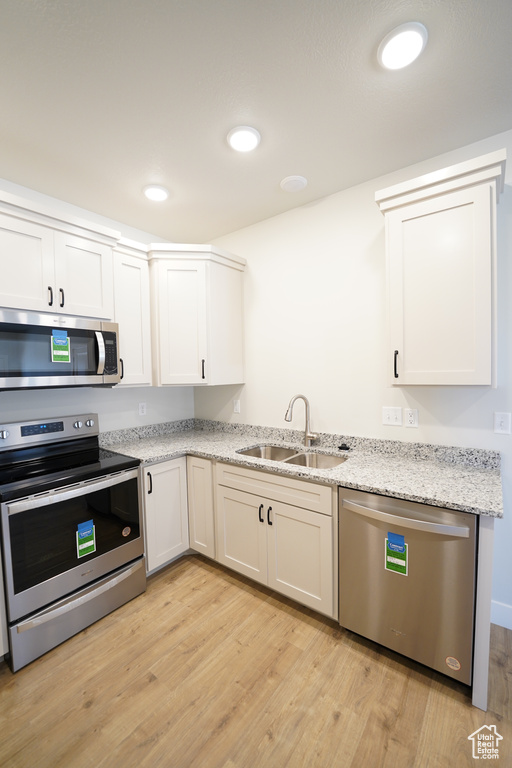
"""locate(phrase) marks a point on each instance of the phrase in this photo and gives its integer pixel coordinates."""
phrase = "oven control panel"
(42, 429)
(20, 434)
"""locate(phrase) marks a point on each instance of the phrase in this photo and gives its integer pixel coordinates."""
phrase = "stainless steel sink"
(272, 452)
(316, 460)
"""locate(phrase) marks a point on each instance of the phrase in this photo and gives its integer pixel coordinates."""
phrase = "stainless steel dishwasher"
(407, 578)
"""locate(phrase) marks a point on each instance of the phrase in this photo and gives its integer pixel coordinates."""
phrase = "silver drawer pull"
(74, 602)
(70, 492)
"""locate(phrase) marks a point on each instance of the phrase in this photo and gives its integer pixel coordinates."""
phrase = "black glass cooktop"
(35, 470)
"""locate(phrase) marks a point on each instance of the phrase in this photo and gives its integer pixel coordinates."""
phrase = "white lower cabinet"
(165, 511)
(201, 523)
(278, 531)
(242, 533)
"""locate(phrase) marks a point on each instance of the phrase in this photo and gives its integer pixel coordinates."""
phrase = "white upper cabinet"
(197, 315)
(441, 274)
(26, 253)
(132, 312)
(52, 265)
(83, 276)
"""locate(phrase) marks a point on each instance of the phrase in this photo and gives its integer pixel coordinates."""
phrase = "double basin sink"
(292, 456)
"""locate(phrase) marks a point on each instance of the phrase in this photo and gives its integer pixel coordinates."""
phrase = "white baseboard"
(501, 614)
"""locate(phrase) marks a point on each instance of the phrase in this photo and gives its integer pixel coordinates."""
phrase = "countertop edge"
(157, 449)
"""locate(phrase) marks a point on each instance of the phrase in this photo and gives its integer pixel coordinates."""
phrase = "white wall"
(117, 408)
(315, 324)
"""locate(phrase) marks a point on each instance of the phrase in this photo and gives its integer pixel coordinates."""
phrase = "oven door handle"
(70, 492)
(100, 341)
(73, 602)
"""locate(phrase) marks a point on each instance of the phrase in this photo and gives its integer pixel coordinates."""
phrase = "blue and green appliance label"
(85, 538)
(60, 346)
(396, 559)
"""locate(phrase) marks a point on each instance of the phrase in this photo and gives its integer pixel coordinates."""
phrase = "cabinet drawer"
(300, 493)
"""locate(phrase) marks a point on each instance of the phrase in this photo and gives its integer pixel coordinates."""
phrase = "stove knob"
(4, 434)
(78, 425)
(89, 423)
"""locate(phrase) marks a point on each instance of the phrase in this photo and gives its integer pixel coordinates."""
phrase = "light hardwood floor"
(208, 670)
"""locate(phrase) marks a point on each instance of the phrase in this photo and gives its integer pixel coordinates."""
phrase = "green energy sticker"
(396, 554)
(85, 539)
(60, 347)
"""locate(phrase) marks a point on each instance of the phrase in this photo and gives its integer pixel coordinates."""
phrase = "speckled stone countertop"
(463, 479)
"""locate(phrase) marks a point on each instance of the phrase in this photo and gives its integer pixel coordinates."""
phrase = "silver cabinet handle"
(101, 351)
(461, 531)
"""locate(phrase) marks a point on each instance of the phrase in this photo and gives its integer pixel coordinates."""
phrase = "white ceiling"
(101, 97)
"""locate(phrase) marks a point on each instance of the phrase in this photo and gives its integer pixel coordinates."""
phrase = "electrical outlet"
(142, 409)
(392, 416)
(236, 406)
(502, 423)
(411, 417)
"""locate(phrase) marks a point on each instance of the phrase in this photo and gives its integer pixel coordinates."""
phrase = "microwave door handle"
(101, 351)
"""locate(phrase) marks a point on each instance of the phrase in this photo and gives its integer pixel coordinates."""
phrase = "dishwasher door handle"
(461, 531)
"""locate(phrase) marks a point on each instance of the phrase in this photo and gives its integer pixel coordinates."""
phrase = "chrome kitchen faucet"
(308, 435)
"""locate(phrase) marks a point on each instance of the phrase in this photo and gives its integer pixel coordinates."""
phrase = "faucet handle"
(310, 436)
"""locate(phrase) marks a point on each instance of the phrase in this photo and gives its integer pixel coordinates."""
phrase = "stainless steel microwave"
(44, 350)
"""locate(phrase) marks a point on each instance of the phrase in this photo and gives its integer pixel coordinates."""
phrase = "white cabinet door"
(132, 313)
(241, 533)
(288, 548)
(300, 555)
(165, 511)
(440, 289)
(200, 505)
(180, 322)
(225, 361)
(27, 266)
(84, 279)
(197, 316)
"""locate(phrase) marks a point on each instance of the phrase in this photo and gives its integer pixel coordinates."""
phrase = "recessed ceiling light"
(294, 183)
(403, 45)
(155, 193)
(244, 138)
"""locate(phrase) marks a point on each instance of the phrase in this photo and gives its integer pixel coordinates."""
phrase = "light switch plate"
(502, 423)
(392, 416)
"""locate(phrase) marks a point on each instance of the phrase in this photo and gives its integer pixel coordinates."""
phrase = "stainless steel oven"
(72, 539)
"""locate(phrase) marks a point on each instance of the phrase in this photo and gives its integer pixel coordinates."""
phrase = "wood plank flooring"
(208, 670)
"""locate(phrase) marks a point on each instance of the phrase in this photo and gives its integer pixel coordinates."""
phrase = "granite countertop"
(463, 479)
